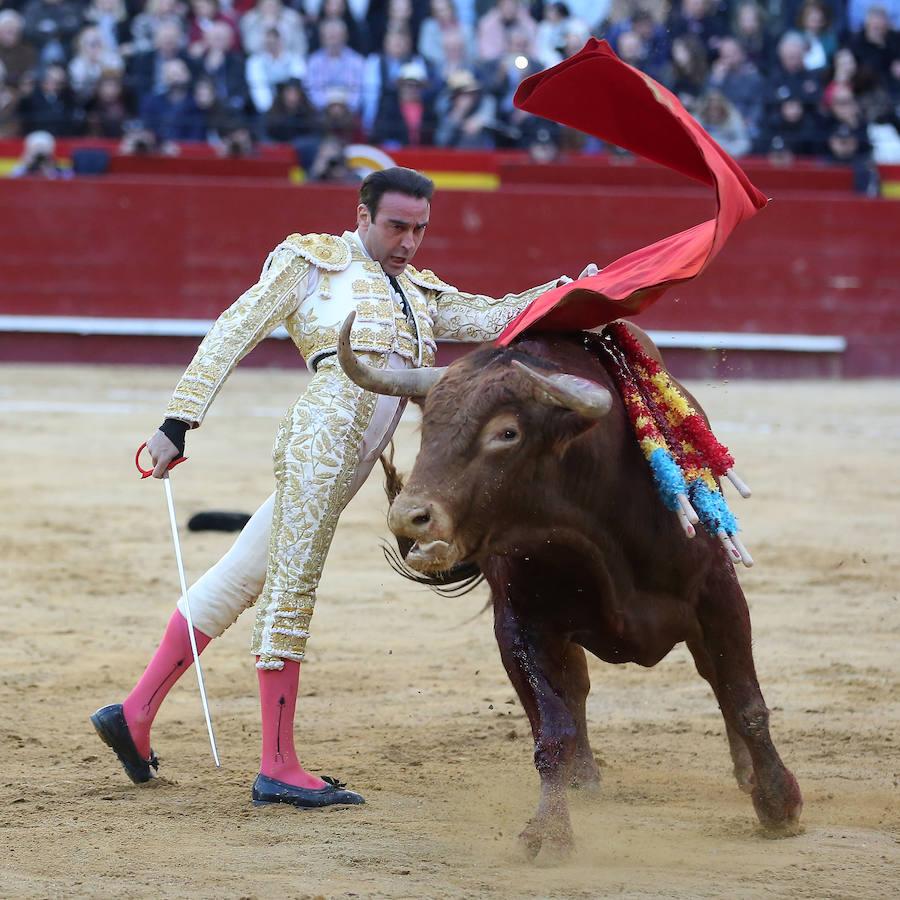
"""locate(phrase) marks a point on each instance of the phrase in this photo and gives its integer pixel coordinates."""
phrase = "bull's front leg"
(725, 622)
(534, 662)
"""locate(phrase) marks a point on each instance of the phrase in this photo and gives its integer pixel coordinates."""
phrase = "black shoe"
(113, 730)
(268, 790)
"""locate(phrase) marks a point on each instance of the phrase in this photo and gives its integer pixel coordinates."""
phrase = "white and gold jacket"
(310, 283)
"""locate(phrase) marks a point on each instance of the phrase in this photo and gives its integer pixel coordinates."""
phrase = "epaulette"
(325, 251)
(427, 279)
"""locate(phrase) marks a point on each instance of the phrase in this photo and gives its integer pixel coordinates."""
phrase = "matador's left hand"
(589, 270)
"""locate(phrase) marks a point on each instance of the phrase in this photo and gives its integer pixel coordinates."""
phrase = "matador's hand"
(589, 270)
(162, 451)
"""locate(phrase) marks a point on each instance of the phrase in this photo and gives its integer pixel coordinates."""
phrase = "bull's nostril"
(422, 518)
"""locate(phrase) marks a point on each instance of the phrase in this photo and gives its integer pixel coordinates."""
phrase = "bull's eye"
(508, 434)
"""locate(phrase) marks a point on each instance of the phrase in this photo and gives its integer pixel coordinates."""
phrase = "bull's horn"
(393, 382)
(579, 394)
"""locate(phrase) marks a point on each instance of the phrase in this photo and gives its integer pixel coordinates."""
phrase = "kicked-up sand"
(403, 694)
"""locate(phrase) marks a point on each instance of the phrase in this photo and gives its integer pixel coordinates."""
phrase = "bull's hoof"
(779, 809)
(554, 842)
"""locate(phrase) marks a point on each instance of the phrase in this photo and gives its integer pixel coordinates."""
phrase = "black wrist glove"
(175, 430)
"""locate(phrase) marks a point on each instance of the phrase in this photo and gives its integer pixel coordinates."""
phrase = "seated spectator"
(655, 38)
(109, 109)
(338, 119)
(354, 17)
(406, 116)
(442, 22)
(206, 119)
(9, 107)
(794, 124)
(395, 14)
(814, 23)
(701, 19)
(876, 47)
(271, 67)
(51, 106)
(334, 65)
(144, 71)
(751, 33)
(92, 60)
(686, 74)
(551, 34)
(38, 158)
(269, 14)
(845, 147)
(223, 66)
(724, 123)
(145, 24)
(503, 79)
(291, 115)
(111, 19)
(383, 69)
(575, 37)
(51, 26)
(844, 109)
(205, 16)
(843, 71)
(857, 10)
(170, 113)
(456, 54)
(739, 81)
(495, 26)
(789, 75)
(16, 55)
(631, 49)
(466, 114)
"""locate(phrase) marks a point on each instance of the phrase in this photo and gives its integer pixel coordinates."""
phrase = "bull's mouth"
(429, 557)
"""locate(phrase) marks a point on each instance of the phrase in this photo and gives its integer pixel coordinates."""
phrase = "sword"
(173, 522)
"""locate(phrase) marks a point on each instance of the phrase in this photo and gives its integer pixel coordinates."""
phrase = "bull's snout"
(427, 523)
(418, 518)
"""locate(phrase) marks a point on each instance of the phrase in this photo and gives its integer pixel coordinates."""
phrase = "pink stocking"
(172, 659)
(277, 700)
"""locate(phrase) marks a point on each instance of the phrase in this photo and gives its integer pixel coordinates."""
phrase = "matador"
(325, 447)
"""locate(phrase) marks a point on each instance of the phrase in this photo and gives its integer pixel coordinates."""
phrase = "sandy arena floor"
(406, 699)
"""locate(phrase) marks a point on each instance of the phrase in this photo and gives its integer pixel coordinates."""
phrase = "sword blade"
(190, 622)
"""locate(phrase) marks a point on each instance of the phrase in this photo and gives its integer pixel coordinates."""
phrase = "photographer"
(38, 159)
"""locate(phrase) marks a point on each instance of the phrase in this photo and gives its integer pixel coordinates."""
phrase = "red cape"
(595, 92)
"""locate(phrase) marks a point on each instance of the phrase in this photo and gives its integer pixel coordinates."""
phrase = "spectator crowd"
(783, 78)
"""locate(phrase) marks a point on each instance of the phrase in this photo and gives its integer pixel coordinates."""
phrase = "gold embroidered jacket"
(310, 284)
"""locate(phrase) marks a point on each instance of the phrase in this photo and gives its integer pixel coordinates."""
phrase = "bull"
(529, 469)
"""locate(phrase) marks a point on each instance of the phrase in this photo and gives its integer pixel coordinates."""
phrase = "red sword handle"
(146, 473)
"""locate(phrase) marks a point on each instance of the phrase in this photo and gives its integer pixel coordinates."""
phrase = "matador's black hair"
(399, 179)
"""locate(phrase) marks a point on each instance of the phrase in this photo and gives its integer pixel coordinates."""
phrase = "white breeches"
(237, 580)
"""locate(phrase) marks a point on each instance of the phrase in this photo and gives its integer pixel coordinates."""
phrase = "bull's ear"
(567, 426)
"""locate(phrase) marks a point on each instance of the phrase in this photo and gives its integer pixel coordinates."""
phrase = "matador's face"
(398, 228)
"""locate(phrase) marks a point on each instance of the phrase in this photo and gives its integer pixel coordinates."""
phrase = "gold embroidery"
(316, 458)
(255, 314)
(326, 251)
(478, 318)
(427, 279)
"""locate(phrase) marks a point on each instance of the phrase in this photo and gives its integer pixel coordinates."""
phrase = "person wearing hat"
(466, 114)
(406, 115)
(325, 447)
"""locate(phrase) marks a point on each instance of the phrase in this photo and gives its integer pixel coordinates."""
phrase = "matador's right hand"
(162, 451)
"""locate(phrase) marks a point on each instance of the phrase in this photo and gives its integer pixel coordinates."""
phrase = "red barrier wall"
(808, 264)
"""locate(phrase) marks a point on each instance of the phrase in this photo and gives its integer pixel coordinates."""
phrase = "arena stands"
(783, 79)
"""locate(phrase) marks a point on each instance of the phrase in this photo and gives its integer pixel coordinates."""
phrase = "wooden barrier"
(810, 264)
